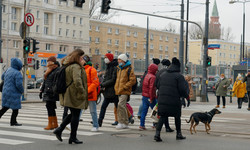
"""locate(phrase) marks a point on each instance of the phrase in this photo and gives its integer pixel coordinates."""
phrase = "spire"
(215, 12)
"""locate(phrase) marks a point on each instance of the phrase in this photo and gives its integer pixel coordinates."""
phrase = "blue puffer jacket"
(13, 85)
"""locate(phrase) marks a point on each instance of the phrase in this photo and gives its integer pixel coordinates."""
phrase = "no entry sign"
(29, 19)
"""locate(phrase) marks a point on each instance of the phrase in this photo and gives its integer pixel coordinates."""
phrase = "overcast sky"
(231, 15)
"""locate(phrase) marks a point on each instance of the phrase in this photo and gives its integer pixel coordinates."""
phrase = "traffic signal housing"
(26, 45)
(35, 48)
(105, 6)
(209, 61)
(79, 3)
(36, 65)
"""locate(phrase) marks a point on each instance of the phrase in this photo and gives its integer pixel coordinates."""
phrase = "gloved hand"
(188, 102)
(41, 95)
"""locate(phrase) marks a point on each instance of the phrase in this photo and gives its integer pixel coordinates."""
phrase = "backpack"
(98, 89)
(59, 82)
(134, 87)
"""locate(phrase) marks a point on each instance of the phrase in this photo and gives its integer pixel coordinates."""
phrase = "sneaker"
(94, 129)
(217, 106)
(119, 126)
(141, 128)
(125, 126)
(224, 107)
(139, 117)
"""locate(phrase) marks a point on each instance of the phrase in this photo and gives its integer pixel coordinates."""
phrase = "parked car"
(35, 84)
(211, 86)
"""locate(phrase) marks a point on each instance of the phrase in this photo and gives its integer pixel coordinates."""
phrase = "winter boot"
(168, 129)
(54, 122)
(58, 133)
(50, 126)
(179, 136)
(157, 137)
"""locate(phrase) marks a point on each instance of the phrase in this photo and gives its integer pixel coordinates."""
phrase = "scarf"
(50, 68)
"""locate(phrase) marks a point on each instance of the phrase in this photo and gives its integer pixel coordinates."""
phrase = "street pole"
(243, 41)
(146, 62)
(25, 68)
(204, 71)
(181, 42)
(241, 49)
(1, 30)
(186, 54)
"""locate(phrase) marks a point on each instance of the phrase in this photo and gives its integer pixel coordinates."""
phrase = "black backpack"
(59, 82)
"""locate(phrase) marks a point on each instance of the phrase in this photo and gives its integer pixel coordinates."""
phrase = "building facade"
(59, 26)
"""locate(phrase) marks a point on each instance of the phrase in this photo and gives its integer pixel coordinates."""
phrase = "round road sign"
(29, 19)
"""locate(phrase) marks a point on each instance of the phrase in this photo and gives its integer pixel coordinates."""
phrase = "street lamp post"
(243, 38)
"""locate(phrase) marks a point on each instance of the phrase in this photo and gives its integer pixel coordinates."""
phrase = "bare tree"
(95, 11)
(227, 34)
(195, 32)
(170, 27)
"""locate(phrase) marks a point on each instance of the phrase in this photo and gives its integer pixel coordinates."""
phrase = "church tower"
(214, 25)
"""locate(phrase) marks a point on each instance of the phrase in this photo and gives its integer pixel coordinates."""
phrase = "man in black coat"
(171, 87)
(247, 79)
(108, 86)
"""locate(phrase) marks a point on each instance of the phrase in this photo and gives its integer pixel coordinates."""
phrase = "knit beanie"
(165, 62)
(123, 57)
(110, 56)
(156, 61)
(52, 58)
(86, 58)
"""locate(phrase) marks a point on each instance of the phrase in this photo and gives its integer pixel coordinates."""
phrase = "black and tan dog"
(204, 117)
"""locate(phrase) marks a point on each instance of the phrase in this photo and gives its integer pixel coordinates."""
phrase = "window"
(3, 8)
(67, 19)
(80, 34)
(128, 54)
(116, 53)
(234, 48)
(145, 35)
(151, 46)
(225, 46)
(166, 56)
(230, 55)
(4, 24)
(37, 28)
(80, 21)
(74, 33)
(46, 30)
(15, 44)
(60, 31)
(90, 40)
(46, 1)
(231, 47)
(128, 33)
(60, 18)
(74, 20)
(116, 42)
(175, 50)
(224, 55)
(144, 56)
(161, 38)
(166, 48)
(135, 45)
(135, 34)
(109, 41)
(13, 26)
(175, 40)
(151, 37)
(67, 32)
(160, 57)
(97, 28)
(90, 27)
(151, 56)
(17, 54)
(166, 39)
(144, 46)
(109, 30)
(161, 48)
(97, 51)
(90, 51)
(135, 55)
(234, 56)
(13, 13)
(128, 43)
(46, 18)
(61, 48)
(37, 14)
(117, 31)
(48, 47)
(97, 40)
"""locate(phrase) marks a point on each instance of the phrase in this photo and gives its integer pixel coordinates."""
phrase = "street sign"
(22, 30)
(213, 46)
(43, 62)
(29, 19)
(29, 60)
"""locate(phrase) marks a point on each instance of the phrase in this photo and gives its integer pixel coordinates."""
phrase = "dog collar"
(210, 114)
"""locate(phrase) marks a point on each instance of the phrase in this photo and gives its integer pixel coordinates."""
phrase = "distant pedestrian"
(221, 90)
(123, 88)
(48, 95)
(171, 87)
(188, 78)
(108, 86)
(12, 90)
(76, 95)
(247, 79)
(239, 89)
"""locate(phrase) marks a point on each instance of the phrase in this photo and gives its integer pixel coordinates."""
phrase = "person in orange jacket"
(93, 83)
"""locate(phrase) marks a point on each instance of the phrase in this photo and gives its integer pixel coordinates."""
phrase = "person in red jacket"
(148, 93)
(93, 83)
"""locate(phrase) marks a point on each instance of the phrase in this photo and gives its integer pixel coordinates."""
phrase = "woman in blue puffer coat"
(12, 90)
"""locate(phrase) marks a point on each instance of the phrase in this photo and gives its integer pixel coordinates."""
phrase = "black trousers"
(105, 105)
(13, 116)
(164, 119)
(223, 100)
(248, 99)
(239, 100)
(51, 106)
(65, 112)
(73, 119)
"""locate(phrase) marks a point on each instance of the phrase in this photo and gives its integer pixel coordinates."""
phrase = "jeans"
(140, 109)
(92, 109)
(223, 100)
(104, 108)
(145, 105)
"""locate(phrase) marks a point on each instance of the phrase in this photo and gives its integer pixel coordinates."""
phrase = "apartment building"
(113, 38)
(59, 26)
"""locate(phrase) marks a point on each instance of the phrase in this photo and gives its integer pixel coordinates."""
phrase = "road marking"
(13, 142)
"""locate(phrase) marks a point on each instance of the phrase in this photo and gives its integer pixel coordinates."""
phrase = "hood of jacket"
(113, 63)
(153, 68)
(128, 63)
(174, 68)
(16, 63)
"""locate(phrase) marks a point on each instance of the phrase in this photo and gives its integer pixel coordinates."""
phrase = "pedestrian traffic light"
(26, 45)
(36, 65)
(79, 3)
(35, 48)
(105, 6)
(209, 61)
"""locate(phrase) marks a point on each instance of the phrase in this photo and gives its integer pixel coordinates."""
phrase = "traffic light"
(79, 3)
(35, 48)
(105, 6)
(209, 61)
(26, 45)
(36, 65)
